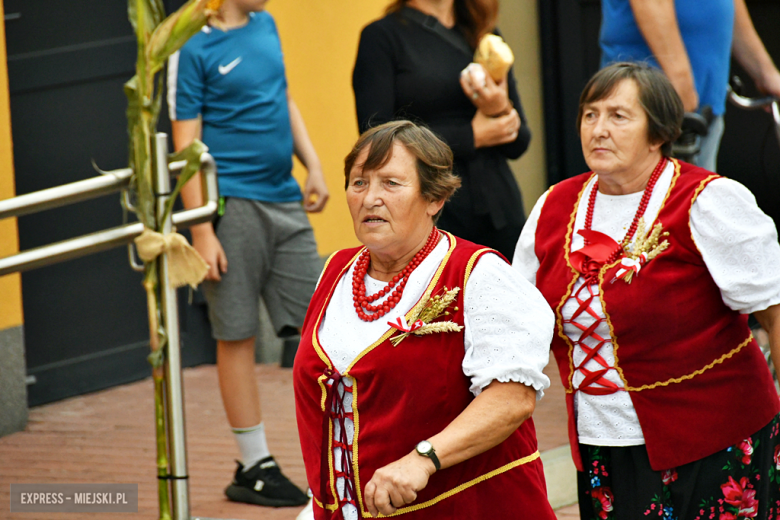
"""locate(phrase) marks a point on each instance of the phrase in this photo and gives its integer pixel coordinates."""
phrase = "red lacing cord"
(595, 377)
(335, 411)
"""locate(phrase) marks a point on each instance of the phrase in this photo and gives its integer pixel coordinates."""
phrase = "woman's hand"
(397, 484)
(493, 131)
(488, 96)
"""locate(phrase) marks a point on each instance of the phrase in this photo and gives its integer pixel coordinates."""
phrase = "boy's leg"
(234, 314)
(237, 385)
(294, 270)
(236, 371)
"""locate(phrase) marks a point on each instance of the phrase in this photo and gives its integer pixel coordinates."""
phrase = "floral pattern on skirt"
(740, 482)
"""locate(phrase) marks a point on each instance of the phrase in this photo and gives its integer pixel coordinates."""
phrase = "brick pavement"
(108, 436)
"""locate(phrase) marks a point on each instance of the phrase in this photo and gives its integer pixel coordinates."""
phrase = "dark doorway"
(570, 55)
(749, 151)
(84, 320)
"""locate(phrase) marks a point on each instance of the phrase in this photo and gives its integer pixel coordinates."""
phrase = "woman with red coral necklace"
(421, 355)
(651, 266)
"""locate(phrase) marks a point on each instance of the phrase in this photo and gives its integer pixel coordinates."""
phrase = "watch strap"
(432, 455)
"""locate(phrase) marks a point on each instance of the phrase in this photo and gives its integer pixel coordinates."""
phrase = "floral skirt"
(742, 481)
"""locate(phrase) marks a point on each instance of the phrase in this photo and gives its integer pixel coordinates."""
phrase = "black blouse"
(405, 70)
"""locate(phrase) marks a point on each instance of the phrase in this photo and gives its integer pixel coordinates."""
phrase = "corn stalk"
(158, 37)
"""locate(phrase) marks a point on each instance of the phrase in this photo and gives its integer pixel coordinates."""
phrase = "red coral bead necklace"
(362, 301)
(639, 212)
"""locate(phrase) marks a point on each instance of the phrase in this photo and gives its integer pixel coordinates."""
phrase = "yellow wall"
(320, 43)
(10, 285)
(519, 23)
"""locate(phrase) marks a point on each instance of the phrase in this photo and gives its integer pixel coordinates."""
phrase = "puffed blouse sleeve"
(509, 328)
(738, 243)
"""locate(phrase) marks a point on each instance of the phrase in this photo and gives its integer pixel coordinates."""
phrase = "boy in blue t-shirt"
(227, 86)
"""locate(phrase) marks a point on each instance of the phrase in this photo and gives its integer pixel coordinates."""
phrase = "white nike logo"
(224, 69)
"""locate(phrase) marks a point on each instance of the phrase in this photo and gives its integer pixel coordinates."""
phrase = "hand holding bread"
(485, 80)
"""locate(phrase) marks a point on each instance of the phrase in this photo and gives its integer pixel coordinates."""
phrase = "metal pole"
(174, 410)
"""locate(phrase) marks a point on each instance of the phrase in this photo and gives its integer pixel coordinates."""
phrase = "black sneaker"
(265, 485)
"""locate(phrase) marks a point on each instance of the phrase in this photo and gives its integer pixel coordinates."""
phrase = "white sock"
(252, 444)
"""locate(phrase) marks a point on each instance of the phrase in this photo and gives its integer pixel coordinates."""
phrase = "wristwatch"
(425, 449)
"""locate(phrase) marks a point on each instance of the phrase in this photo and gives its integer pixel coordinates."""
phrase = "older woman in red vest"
(651, 266)
(421, 355)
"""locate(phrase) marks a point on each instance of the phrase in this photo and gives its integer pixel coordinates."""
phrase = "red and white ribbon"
(400, 324)
(631, 264)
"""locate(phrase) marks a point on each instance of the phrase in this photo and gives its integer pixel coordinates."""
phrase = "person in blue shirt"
(692, 42)
(227, 86)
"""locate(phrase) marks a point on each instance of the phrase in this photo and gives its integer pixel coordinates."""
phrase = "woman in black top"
(409, 66)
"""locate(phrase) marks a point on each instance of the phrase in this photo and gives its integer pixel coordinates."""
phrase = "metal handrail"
(756, 103)
(749, 103)
(105, 184)
(101, 240)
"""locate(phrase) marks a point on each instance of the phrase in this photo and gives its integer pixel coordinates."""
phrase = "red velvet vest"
(695, 374)
(404, 394)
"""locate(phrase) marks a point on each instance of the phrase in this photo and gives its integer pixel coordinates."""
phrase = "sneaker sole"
(248, 496)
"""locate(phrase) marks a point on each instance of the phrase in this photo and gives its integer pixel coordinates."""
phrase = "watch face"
(424, 447)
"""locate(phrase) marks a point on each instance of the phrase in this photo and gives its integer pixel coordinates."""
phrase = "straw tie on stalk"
(185, 265)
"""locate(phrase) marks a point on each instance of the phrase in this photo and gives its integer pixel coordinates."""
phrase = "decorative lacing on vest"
(599, 250)
(336, 412)
(594, 382)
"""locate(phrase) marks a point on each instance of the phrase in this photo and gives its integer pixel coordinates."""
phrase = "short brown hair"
(657, 96)
(475, 17)
(433, 157)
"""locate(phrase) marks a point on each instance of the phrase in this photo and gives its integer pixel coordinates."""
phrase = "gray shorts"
(271, 253)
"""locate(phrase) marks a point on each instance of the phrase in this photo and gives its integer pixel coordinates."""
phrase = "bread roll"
(495, 55)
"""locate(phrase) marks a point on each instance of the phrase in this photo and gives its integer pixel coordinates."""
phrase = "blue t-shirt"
(706, 28)
(235, 81)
